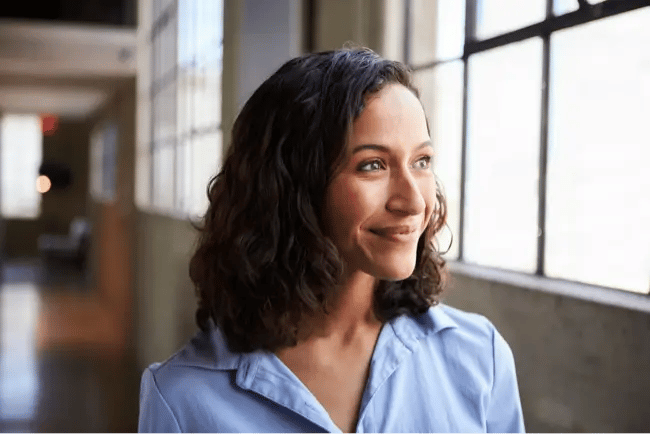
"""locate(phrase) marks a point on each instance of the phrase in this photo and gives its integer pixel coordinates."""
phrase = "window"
(183, 150)
(21, 151)
(103, 161)
(538, 113)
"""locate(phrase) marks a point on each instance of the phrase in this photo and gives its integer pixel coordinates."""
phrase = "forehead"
(392, 116)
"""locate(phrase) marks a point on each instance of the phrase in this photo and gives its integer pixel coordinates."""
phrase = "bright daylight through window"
(180, 98)
(539, 115)
(21, 150)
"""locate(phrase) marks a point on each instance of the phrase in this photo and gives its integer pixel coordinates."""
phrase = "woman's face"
(381, 199)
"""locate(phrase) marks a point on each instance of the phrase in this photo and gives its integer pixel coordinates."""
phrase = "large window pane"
(438, 28)
(184, 100)
(441, 91)
(564, 6)
(494, 17)
(504, 100)
(561, 7)
(186, 33)
(209, 36)
(163, 177)
(143, 179)
(598, 209)
(21, 150)
(164, 105)
(168, 48)
(207, 99)
(184, 175)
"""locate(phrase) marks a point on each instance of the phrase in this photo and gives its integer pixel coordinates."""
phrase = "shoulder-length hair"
(262, 261)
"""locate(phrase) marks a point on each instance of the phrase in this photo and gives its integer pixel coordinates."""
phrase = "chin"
(395, 272)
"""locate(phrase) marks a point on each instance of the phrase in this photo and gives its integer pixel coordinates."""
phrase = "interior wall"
(69, 145)
(582, 366)
(165, 302)
(112, 243)
(355, 22)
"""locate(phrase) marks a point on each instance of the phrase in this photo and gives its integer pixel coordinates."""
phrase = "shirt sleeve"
(155, 414)
(504, 410)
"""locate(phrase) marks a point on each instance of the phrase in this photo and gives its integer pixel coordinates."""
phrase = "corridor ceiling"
(65, 69)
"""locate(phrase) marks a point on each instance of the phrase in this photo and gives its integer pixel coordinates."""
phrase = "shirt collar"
(212, 352)
(410, 329)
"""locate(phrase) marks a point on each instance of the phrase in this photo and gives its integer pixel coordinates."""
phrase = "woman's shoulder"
(465, 331)
(468, 323)
(204, 354)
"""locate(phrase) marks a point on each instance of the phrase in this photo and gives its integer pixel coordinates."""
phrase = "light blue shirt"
(442, 371)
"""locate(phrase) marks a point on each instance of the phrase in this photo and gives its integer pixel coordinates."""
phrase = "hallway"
(62, 368)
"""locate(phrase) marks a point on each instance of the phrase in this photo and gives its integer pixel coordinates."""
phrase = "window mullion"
(543, 155)
(470, 31)
(407, 32)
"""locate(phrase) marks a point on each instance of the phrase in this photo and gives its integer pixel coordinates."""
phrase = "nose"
(405, 194)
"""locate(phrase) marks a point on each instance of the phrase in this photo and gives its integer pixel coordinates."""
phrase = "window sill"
(582, 291)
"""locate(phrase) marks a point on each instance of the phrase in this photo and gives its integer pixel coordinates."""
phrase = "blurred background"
(113, 115)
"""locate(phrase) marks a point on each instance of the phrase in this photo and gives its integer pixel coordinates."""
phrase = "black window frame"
(586, 13)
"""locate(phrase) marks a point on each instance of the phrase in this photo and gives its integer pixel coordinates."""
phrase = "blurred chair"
(72, 247)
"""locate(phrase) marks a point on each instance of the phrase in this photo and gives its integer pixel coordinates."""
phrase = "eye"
(370, 166)
(424, 162)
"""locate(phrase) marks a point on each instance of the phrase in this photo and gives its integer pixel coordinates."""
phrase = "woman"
(318, 277)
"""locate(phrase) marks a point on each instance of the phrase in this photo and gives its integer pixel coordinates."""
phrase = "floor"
(60, 367)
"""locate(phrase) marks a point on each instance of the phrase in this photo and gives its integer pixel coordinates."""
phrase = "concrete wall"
(582, 366)
(165, 301)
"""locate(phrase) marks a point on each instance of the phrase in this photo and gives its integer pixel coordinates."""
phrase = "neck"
(351, 312)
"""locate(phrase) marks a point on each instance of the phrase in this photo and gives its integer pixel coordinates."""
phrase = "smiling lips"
(397, 233)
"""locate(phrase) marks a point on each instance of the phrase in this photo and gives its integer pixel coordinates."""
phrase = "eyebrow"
(386, 149)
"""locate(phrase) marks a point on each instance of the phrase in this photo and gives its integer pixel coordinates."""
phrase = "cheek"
(348, 208)
(429, 190)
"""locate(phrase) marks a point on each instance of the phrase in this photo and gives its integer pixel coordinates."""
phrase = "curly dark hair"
(262, 260)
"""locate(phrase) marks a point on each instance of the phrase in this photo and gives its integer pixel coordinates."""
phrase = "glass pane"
(207, 99)
(565, 6)
(598, 206)
(163, 177)
(199, 99)
(186, 33)
(504, 101)
(168, 48)
(441, 91)
(165, 113)
(157, 66)
(209, 30)
(95, 161)
(184, 108)
(561, 7)
(143, 120)
(183, 169)
(109, 161)
(206, 161)
(437, 30)
(21, 141)
(143, 179)
(495, 17)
